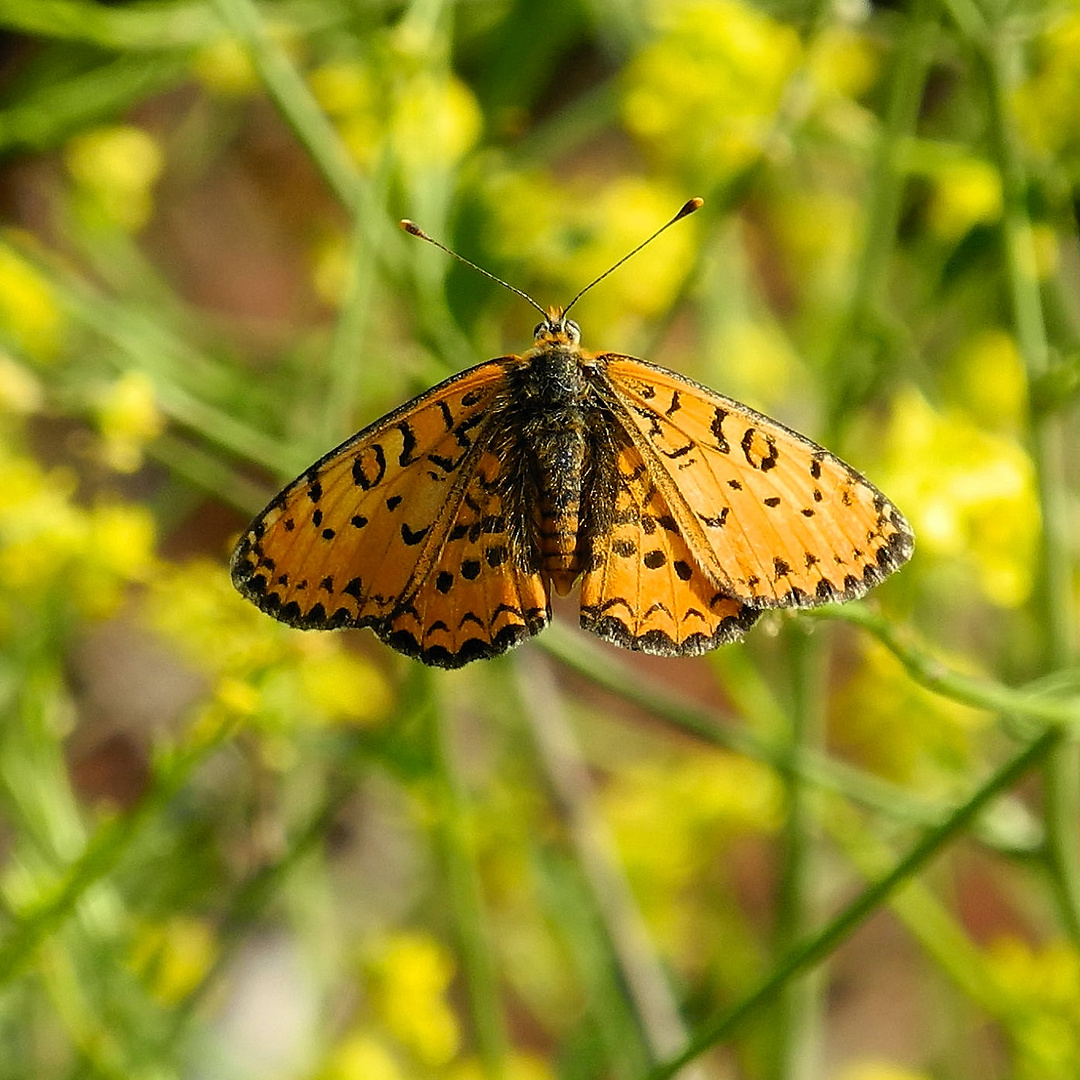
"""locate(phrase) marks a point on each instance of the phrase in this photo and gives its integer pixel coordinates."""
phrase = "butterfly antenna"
(415, 230)
(688, 208)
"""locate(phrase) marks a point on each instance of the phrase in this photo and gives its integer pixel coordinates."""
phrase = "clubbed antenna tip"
(696, 203)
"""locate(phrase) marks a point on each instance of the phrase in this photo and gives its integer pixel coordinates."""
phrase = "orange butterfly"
(444, 525)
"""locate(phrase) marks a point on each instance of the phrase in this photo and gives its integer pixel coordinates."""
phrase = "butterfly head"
(557, 330)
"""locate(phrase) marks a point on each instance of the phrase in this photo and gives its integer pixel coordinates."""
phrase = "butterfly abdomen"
(550, 402)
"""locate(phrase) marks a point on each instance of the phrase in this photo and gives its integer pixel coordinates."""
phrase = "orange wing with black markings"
(444, 526)
(770, 518)
(644, 588)
(402, 529)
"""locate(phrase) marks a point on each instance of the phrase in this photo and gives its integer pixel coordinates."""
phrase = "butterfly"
(445, 525)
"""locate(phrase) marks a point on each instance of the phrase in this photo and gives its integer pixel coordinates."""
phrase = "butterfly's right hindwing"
(643, 588)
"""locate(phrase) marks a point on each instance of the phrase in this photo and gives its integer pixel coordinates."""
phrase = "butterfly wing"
(643, 588)
(770, 517)
(402, 529)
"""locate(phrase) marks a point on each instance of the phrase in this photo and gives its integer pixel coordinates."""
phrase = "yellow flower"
(842, 62)
(969, 495)
(361, 1056)
(129, 418)
(29, 314)
(195, 607)
(1046, 103)
(435, 121)
(412, 976)
(966, 193)
(50, 543)
(990, 379)
(1039, 988)
(342, 87)
(224, 67)
(116, 169)
(343, 686)
(704, 95)
(878, 1070)
(571, 233)
(174, 957)
(119, 550)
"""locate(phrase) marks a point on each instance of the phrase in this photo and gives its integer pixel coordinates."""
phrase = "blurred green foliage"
(233, 850)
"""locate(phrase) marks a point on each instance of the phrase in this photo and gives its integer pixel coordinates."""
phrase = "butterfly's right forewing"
(774, 519)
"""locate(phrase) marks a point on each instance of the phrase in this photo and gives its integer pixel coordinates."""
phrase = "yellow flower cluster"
(1039, 988)
(274, 677)
(54, 551)
(703, 96)
(411, 978)
(1045, 103)
(878, 1070)
(128, 418)
(969, 494)
(115, 170)
(174, 956)
(391, 102)
(30, 318)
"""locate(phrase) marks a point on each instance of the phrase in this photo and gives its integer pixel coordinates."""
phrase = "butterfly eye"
(541, 327)
(573, 330)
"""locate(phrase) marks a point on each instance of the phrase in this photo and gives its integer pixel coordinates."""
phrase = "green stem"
(1028, 704)
(815, 949)
(1054, 597)
(603, 669)
(292, 96)
(454, 840)
(849, 368)
(655, 1006)
(795, 1046)
(102, 853)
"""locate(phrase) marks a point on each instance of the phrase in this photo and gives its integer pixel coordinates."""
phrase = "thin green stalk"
(151, 28)
(651, 996)
(1055, 592)
(40, 119)
(795, 1035)
(929, 921)
(602, 668)
(345, 358)
(847, 369)
(102, 853)
(815, 949)
(1028, 704)
(464, 896)
(293, 97)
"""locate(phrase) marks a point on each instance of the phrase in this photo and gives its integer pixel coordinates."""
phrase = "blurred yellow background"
(230, 849)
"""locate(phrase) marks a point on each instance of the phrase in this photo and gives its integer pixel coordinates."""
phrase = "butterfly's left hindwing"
(770, 517)
(401, 529)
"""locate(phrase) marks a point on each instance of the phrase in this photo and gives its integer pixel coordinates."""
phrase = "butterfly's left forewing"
(772, 518)
(402, 529)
